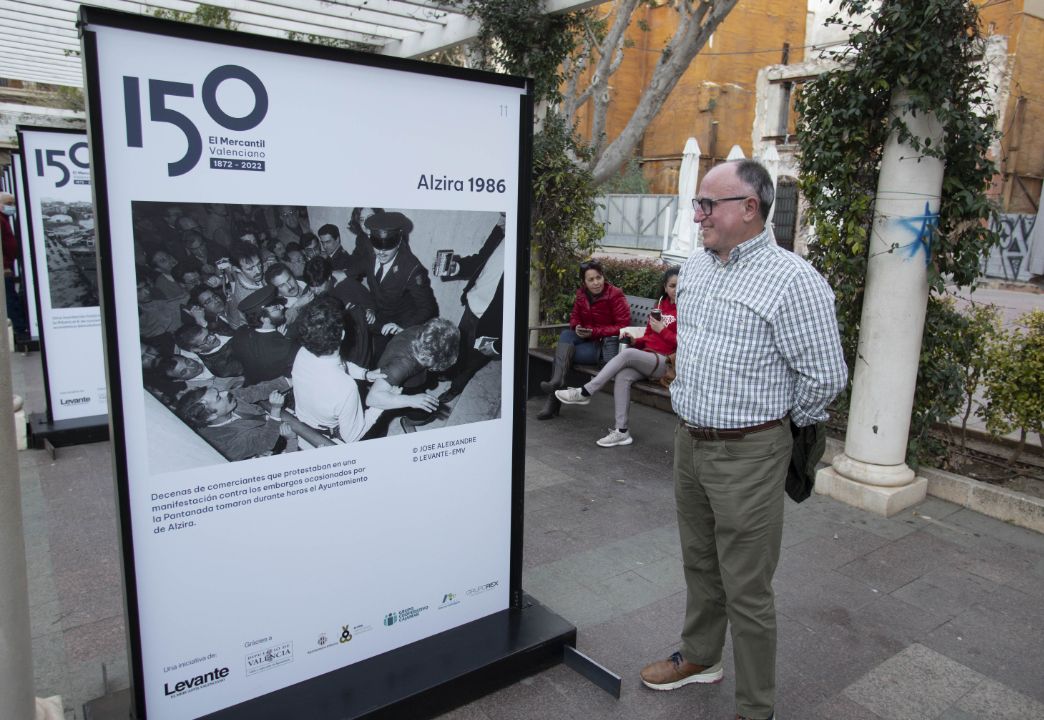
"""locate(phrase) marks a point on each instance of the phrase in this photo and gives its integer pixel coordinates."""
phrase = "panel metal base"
(43, 434)
(601, 676)
(421, 680)
(25, 344)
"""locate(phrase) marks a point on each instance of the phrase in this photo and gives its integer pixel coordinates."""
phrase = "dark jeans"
(587, 351)
(15, 308)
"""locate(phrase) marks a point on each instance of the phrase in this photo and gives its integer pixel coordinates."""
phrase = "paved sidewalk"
(933, 614)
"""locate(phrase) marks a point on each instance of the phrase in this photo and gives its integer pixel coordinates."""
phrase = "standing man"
(399, 283)
(758, 349)
(247, 276)
(10, 253)
(330, 245)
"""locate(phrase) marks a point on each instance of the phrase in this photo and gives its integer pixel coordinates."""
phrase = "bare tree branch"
(611, 46)
(697, 20)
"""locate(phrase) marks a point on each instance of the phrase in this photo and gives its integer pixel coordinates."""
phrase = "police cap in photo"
(388, 229)
(259, 299)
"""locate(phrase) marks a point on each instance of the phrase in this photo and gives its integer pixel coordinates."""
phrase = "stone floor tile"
(832, 550)
(993, 700)
(541, 475)
(468, 712)
(917, 683)
(45, 617)
(825, 598)
(893, 623)
(49, 664)
(104, 640)
(996, 645)
(840, 707)
(629, 591)
(999, 530)
(946, 591)
(891, 528)
(901, 562)
(1030, 581)
(935, 508)
(666, 573)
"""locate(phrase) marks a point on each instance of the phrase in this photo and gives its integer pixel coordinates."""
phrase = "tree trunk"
(694, 28)
(1018, 448)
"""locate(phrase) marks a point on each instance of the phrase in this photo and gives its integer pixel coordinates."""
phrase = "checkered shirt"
(757, 339)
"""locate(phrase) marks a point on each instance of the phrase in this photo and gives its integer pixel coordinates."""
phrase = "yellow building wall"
(1022, 145)
(714, 100)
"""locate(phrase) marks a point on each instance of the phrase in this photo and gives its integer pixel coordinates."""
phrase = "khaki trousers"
(729, 496)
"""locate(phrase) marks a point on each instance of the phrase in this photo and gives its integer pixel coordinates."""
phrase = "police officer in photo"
(399, 282)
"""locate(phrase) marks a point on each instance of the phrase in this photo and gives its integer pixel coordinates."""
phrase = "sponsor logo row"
(265, 655)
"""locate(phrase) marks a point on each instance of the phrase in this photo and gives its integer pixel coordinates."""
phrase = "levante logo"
(160, 92)
(195, 683)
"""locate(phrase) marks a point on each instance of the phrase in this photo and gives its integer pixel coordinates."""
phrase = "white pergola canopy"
(39, 41)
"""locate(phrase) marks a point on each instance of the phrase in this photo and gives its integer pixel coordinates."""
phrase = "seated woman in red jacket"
(599, 311)
(646, 358)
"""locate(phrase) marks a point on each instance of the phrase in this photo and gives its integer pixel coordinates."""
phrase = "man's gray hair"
(754, 174)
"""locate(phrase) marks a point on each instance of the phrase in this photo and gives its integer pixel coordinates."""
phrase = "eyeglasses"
(706, 205)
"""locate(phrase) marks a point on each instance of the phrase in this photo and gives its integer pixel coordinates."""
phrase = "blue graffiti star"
(922, 227)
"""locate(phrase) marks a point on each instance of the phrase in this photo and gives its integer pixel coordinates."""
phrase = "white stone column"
(872, 473)
(16, 648)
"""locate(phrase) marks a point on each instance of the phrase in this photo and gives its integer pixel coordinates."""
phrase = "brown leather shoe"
(675, 671)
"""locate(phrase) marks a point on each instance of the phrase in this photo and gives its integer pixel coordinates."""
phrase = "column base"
(880, 500)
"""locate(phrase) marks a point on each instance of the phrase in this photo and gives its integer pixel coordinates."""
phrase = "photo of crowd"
(72, 270)
(272, 329)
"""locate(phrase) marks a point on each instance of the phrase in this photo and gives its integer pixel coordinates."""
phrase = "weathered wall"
(714, 100)
(1010, 260)
(1022, 116)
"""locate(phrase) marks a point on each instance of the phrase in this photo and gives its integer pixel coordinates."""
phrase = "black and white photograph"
(275, 329)
(72, 269)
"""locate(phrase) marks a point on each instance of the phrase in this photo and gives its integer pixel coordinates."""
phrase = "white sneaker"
(572, 396)
(615, 437)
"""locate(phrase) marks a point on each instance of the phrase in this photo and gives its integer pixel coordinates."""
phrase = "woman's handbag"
(610, 349)
(669, 374)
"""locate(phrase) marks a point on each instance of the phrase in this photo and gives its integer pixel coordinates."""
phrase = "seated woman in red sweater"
(599, 311)
(646, 358)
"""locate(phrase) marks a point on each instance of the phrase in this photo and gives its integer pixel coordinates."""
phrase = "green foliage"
(930, 49)
(564, 226)
(1014, 400)
(629, 181)
(947, 350)
(982, 332)
(328, 41)
(207, 15)
(635, 276)
(520, 38)
(70, 98)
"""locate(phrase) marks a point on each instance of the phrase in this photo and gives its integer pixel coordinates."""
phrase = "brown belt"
(706, 433)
